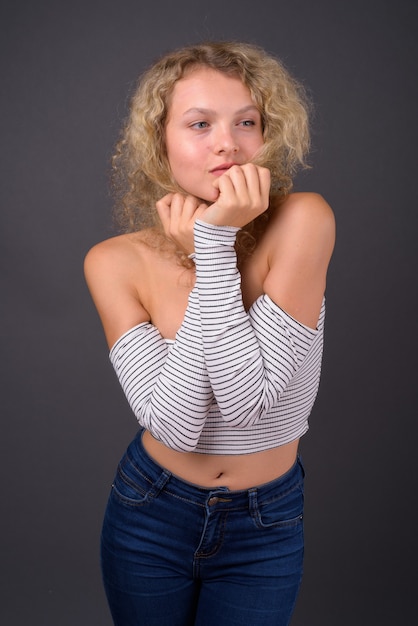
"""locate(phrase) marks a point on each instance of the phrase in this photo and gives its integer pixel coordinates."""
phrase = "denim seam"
(219, 543)
(283, 494)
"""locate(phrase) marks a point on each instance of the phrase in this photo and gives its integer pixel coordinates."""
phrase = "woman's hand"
(243, 195)
(178, 214)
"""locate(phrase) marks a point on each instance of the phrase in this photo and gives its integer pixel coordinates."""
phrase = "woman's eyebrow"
(203, 111)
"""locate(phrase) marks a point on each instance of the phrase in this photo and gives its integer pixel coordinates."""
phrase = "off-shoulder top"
(232, 381)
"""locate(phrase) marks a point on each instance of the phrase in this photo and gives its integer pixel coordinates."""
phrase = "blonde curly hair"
(141, 171)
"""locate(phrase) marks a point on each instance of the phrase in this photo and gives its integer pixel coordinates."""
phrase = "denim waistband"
(202, 495)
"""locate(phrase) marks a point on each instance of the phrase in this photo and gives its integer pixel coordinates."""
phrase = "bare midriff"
(238, 471)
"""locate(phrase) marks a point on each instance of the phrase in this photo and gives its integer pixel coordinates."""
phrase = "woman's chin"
(210, 196)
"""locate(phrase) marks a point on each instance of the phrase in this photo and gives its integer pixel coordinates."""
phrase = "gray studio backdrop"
(67, 70)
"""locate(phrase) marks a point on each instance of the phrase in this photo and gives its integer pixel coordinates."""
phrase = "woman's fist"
(178, 214)
(244, 192)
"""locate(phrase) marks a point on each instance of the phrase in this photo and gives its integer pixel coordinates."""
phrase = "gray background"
(67, 70)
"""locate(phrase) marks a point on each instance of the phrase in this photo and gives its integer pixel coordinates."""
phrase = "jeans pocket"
(283, 511)
(133, 487)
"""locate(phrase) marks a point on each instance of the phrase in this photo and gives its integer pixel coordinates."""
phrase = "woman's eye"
(200, 125)
(248, 123)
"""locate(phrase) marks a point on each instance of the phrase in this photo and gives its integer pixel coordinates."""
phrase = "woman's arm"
(167, 388)
(251, 358)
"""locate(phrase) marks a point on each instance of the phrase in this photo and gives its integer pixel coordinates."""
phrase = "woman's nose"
(224, 141)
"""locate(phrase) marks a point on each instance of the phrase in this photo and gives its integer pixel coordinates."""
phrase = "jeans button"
(213, 500)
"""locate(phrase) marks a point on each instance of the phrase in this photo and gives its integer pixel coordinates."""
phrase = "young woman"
(213, 307)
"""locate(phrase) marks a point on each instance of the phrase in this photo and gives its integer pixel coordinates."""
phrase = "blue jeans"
(176, 554)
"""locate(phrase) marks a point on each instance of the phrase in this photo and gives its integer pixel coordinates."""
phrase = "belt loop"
(159, 484)
(252, 500)
(300, 461)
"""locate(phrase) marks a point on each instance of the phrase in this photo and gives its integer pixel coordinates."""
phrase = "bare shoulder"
(299, 243)
(112, 254)
(304, 220)
(112, 270)
(306, 208)
(117, 262)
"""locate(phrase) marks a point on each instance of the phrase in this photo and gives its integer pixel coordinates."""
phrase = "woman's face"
(212, 124)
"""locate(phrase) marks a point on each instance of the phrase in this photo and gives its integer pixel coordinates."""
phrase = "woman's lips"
(221, 169)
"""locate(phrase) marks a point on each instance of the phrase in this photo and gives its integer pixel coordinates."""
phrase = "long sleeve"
(167, 388)
(244, 361)
(250, 357)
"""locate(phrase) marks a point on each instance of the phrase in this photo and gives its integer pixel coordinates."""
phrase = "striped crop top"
(232, 382)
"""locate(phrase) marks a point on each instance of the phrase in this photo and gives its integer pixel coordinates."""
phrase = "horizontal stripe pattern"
(232, 382)
(168, 389)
